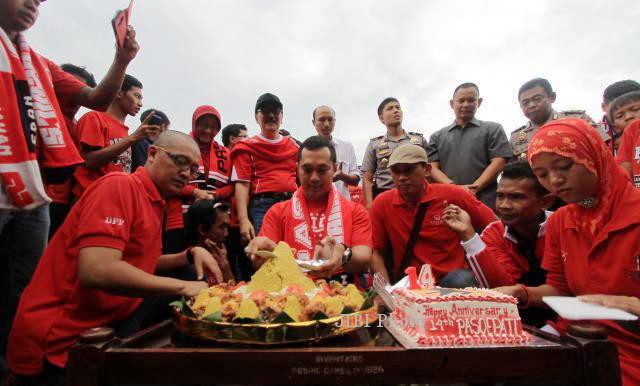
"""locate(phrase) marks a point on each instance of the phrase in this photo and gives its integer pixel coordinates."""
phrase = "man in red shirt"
(264, 168)
(509, 251)
(104, 140)
(629, 152)
(393, 214)
(103, 259)
(318, 222)
(34, 92)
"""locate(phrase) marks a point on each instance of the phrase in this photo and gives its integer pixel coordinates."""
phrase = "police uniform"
(521, 137)
(376, 157)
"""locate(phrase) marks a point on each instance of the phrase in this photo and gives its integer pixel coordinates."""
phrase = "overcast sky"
(351, 55)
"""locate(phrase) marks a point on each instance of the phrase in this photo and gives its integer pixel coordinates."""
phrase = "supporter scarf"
(298, 229)
(40, 139)
(265, 150)
(219, 167)
(577, 140)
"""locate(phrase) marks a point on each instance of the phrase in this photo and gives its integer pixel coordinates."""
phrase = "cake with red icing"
(457, 317)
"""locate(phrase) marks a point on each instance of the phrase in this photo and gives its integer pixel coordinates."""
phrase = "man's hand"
(247, 232)
(331, 252)
(340, 175)
(459, 221)
(514, 290)
(259, 244)
(204, 261)
(200, 194)
(130, 50)
(145, 130)
(192, 288)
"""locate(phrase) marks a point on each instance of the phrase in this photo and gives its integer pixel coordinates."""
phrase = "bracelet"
(189, 255)
(526, 291)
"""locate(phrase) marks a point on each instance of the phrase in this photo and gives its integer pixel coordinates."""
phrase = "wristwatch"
(346, 255)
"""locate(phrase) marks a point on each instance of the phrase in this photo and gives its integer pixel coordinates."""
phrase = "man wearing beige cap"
(408, 228)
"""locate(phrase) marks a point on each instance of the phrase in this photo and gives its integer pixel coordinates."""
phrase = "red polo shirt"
(392, 219)
(629, 150)
(98, 130)
(607, 265)
(119, 211)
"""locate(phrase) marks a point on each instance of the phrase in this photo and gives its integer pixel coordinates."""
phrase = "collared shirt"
(346, 157)
(521, 137)
(119, 211)
(392, 220)
(464, 153)
(376, 157)
(496, 257)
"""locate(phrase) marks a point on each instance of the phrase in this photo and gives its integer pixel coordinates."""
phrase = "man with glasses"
(264, 168)
(103, 262)
(536, 99)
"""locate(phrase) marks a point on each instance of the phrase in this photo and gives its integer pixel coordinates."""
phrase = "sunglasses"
(181, 161)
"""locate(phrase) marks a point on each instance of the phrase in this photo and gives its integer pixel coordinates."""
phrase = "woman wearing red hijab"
(593, 243)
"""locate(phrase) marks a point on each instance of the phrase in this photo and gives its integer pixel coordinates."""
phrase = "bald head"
(171, 160)
(173, 139)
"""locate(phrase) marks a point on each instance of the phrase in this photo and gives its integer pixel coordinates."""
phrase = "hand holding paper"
(572, 308)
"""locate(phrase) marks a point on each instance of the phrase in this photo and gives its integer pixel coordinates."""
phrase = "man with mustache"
(104, 260)
(264, 168)
(104, 140)
(402, 239)
(375, 165)
(469, 152)
(536, 98)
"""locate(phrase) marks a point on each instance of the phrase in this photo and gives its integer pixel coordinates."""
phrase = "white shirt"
(346, 157)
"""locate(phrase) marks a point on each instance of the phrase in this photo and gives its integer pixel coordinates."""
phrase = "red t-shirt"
(392, 218)
(265, 175)
(66, 86)
(120, 211)
(629, 150)
(273, 225)
(99, 130)
(608, 265)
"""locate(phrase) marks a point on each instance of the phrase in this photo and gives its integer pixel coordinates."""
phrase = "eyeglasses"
(181, 161)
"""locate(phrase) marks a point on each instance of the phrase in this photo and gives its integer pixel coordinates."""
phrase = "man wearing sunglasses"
(264, 168)
(104, 259)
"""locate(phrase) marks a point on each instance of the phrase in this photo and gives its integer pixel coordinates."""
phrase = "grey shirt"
(464, 153)
(376, 157)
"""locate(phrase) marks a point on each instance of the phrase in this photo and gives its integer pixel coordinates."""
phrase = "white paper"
(573, 308)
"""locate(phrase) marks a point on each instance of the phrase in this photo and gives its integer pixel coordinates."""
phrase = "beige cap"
(408, 154)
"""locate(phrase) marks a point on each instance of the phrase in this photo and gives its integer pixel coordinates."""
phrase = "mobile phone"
(120, 22)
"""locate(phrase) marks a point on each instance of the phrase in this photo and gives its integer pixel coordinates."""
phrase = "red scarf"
(33, 134)
(218, 173)
(577, 140)
(265, 150)
(298, 228)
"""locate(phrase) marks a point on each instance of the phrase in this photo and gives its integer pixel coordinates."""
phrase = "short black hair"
(467, 85)
(622, 101)
(319, 107)
(520, 169)
(232, 130)
(619, 88)
(81, 72)
(536, 82)
(384, 103)
(162, 117)
(317, 142)
(129, 82)
(202, 212)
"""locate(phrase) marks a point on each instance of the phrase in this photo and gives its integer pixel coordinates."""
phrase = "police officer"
(536, 98)
(375, 166)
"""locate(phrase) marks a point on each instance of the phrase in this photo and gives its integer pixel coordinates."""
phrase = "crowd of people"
(101, 225)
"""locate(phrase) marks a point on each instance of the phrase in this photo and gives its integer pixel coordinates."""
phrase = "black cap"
(266, 99)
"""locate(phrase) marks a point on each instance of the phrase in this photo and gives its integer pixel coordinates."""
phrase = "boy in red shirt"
(103, 261)
(264, 168)
(104, 140)
(393, 214)
(318, 222)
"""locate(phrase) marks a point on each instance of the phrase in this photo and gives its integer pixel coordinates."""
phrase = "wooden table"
(159, 355)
